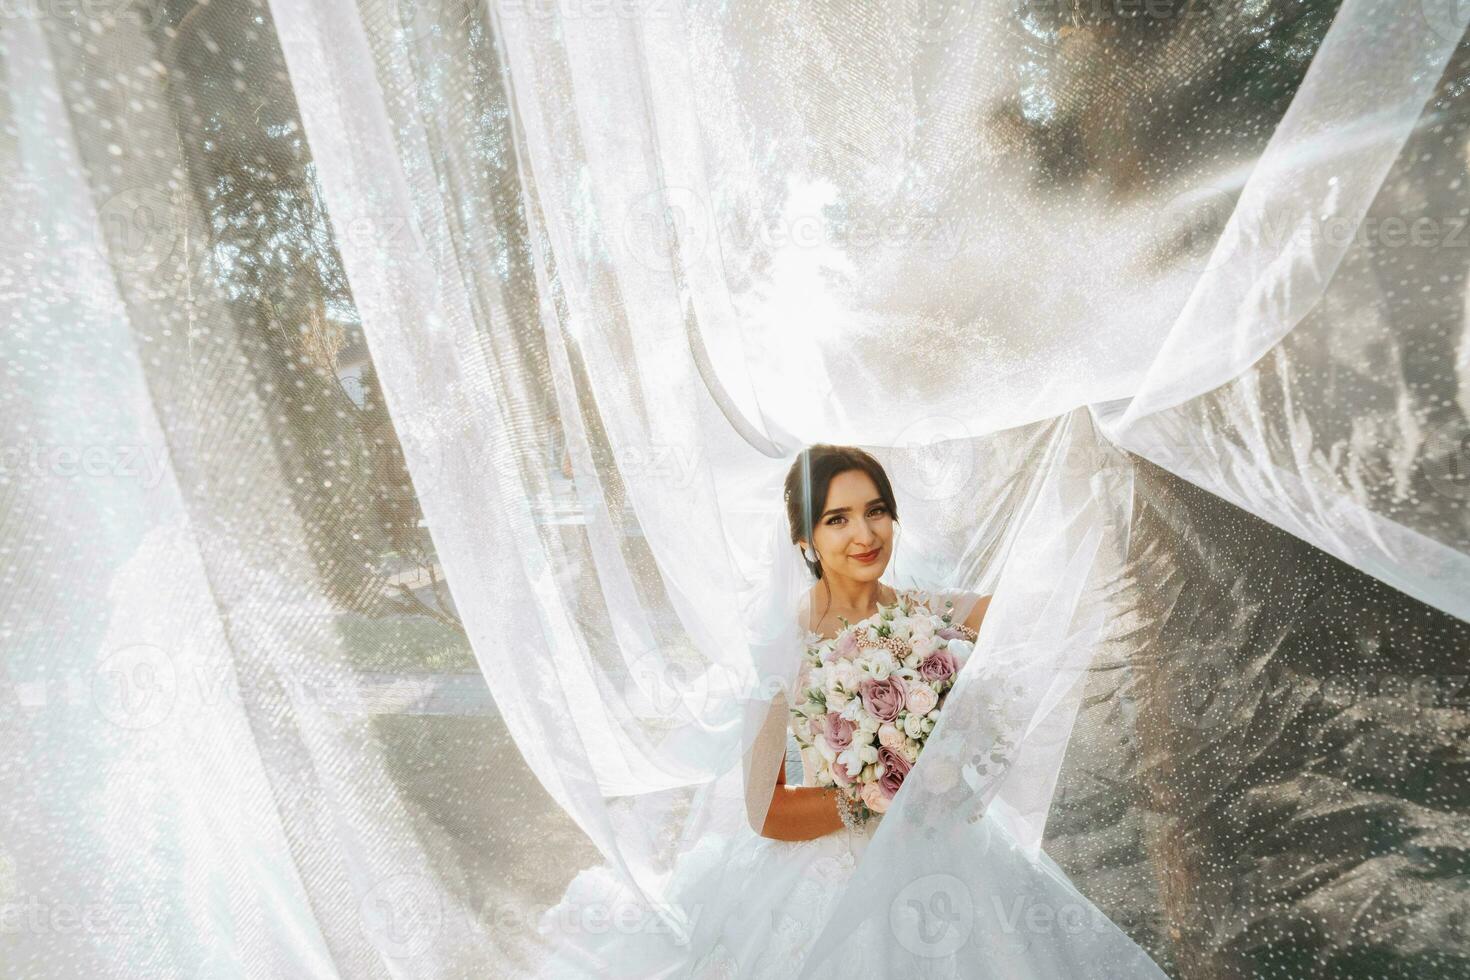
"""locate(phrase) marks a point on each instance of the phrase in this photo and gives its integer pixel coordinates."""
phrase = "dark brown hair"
(810, 477)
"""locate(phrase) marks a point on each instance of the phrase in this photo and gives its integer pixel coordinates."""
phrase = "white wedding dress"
(758, 905)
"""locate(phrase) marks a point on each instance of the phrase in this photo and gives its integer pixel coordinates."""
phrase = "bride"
(841, 512)
(765, 894)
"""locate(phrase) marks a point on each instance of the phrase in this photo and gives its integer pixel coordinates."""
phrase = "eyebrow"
(843, 510)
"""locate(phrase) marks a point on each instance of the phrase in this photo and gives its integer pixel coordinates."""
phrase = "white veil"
(466, 346)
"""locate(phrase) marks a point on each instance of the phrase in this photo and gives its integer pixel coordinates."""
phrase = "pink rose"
(838, 731)
(895, 768)
(938, 666)
(839, 774)
(882, 699)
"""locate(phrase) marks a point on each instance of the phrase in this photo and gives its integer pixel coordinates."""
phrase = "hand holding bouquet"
(871, 695)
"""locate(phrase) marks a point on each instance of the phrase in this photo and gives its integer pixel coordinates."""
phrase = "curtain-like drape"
(398, 394)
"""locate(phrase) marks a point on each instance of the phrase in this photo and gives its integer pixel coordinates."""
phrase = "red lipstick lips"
(867, 557)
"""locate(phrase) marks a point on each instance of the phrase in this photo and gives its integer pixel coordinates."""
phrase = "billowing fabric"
(397, 399)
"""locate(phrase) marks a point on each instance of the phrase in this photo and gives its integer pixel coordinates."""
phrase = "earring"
(810, 553)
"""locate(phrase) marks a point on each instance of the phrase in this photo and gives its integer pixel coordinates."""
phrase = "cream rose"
(920, 699)
(874, 797)
(889, 735)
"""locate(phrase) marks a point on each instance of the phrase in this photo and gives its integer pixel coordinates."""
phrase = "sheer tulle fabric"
(1158, 324)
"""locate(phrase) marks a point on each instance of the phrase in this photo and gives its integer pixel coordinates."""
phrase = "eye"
(880, 509)
(835, 518)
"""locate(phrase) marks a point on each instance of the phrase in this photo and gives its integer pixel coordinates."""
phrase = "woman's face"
(854, 534)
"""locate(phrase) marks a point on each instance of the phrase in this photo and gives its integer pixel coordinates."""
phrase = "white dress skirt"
(754, 917)
(967, 904)
(967, 907)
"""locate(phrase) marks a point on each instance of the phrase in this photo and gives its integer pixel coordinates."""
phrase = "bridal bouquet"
(872, 695)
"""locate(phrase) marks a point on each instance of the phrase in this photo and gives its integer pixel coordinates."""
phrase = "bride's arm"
(792, 812)
(801, 812)
(972, 608)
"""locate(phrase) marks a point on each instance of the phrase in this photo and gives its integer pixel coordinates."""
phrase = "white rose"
(848, 675)
(961, 648)
(852, 710)
(925, 646)
(922, 628)
(820, 744)
(913, 725)
(850, 759)
(889, 735)
(920, 699)
(901, 628)
(836, 701)
(867, 724)
(831, 685)
(873, 796)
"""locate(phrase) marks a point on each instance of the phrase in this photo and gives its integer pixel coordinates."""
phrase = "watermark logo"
(936, 22)
(546, 10)
(661, 223)
(941, 457)
(1446, 18)
(35, 916)
(671, 466)
(148, 13)
(1211, 696)
(43, 461)
(435, 442)
(658, 688)
(1189, 230)
(421, 441)
(140, 228)
(1446, 459)
(136, 687)
(932, 916)
(401, 915)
